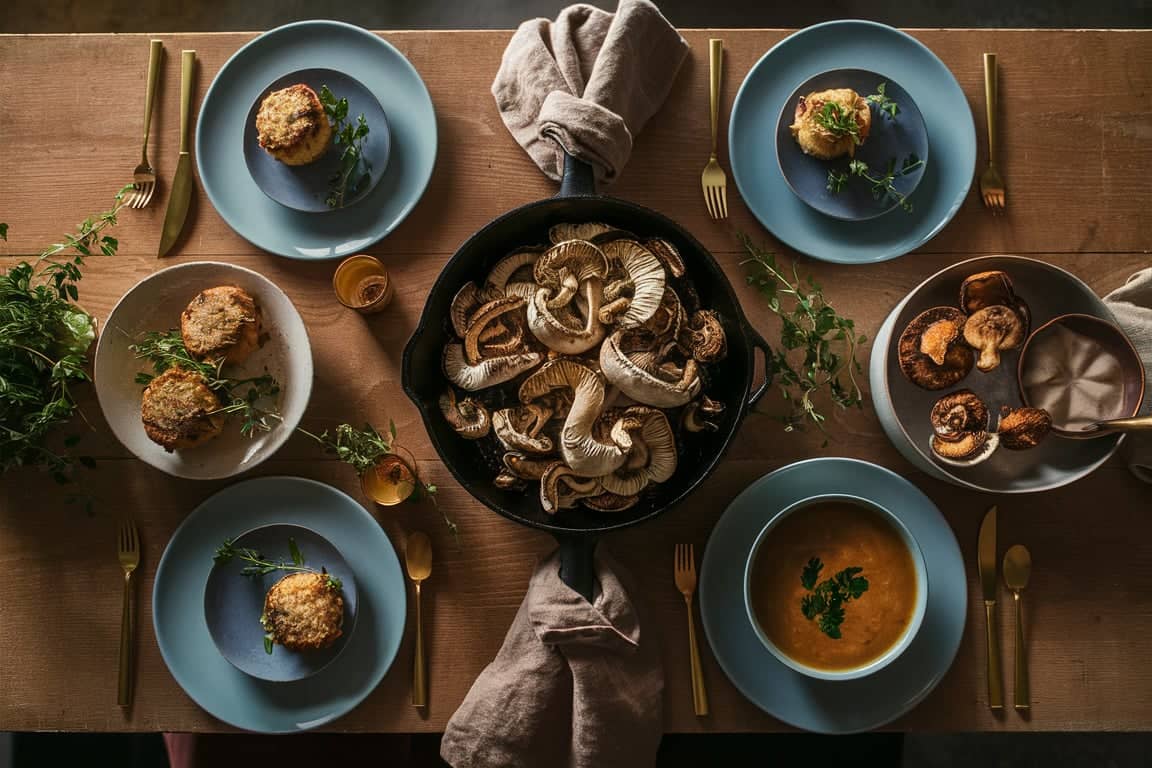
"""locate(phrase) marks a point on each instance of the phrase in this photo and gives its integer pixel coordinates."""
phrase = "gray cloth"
(575, 684)
(1131, 303)
(587, 83)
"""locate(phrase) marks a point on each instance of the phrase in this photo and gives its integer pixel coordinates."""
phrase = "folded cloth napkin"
(573, 685)
(587, 83)
(1131, 303)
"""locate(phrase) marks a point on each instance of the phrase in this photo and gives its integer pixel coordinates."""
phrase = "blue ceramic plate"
(233, 603)
(241, 81)
(892, 141)
(845, 706)
(851, 45)
(306, 187)
(182, 632)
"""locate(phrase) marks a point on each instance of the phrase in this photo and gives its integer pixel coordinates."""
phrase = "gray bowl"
(903, 408)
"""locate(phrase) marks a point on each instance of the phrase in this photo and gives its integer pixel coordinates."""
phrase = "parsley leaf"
(887, 106)
(825, 603)
(811, 572)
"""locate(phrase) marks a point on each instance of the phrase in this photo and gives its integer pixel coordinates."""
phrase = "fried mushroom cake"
(221, 322)
(177, 409)
(817, 111)
(292, 127)
(304, 611)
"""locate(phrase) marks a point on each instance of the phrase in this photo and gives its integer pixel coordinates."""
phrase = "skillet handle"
(577, 569)
(759, 343)
(578, 178)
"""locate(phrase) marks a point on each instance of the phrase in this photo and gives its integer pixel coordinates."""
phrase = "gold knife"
(182, 182)
(987, 560)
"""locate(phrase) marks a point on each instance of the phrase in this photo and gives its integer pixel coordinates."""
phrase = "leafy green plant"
(887, 106)
(839, 122)
(817, 350)
(354, 170)
(44, 340)
(883, 186)
(825, 602)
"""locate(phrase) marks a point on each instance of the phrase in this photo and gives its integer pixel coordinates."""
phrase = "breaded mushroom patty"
(811, 129)
(304, 611)
(292, 127)
(175, 410)
(221, 322)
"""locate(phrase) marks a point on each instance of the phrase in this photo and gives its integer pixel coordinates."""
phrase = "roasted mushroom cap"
(640, 376)
(989, 289)
(965, 449)
(1023, 428)
(646, 276)
(486, 373)
(587, 230)
(652, 457)
(524, 467)
(512, 275)
(930, 350)
(518, 429)
(668, 255)
(959, 412)
(486, 318)
(703, 337)
(561, 488)
(610, 502)
(992, 330)
(467, 417)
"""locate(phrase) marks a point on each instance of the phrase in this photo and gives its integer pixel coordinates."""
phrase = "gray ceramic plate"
(844, 706)
(233, 603)
(182, 633)
(903, 408)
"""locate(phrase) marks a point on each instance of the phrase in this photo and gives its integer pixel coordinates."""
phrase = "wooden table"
(1077, 147)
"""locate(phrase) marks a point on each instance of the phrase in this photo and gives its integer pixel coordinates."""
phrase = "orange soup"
(841, 535)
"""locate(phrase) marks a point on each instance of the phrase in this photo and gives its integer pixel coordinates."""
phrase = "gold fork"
(685, 566)
(991, 185)
(713, 179)
(144, 176)
(128, 550)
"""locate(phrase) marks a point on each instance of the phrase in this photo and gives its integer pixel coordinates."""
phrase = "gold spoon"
(1017, 569)
(1134, 424)
(418, 559)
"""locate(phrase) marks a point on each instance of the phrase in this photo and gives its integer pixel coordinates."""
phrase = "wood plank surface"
(1077, 106)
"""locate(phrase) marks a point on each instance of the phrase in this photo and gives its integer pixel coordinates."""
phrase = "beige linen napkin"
(1131, 303)
(573, 685)
(587, 83)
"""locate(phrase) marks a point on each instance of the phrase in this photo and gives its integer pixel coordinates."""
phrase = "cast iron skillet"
(475, 466)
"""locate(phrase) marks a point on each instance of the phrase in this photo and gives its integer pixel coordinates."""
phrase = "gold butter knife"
(987, 561)
(182, 182)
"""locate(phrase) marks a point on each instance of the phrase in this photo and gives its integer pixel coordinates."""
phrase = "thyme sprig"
(887, 106)
(824, 342)
(354, 170)
(883, 186)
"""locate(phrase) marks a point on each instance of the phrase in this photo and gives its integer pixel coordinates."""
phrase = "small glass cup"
(363, 284)
(389, 482)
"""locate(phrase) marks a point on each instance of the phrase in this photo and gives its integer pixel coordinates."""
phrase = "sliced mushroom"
(1023, 428)
(930, 351)
(578, 445)
(652, 458)
(703, 337)
(486, 373)
(609, 502)
(467, 417)
(646, 274)
(992, 330)
(518, 429)
(524, 467)
(668, 254)
(482, 319)
(561, 488)
(642, 385)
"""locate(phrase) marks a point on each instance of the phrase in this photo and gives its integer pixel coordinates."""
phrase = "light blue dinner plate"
(384, 71)
(855, 45)
(846, 706)
(182, 632)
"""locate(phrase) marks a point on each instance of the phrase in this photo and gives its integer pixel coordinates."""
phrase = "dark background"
(914, 751)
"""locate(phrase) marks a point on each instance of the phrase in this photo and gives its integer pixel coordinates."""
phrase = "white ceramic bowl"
(918, 609)
(155, 304)
(903, 408)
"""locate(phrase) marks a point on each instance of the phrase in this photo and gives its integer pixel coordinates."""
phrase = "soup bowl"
(916, 613)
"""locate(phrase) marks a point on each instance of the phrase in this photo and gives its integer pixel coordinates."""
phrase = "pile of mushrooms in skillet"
(590, 341)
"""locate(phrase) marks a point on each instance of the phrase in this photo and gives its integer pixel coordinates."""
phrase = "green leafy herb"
(817, 346)
(354, 171)
(44, 339)
(838, 121)
(269, 639)
(258, 565)
(887, 106)
(883, 186)
(246, 398)
(825, 603)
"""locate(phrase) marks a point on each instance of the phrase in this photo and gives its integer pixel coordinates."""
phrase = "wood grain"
(1076, 105)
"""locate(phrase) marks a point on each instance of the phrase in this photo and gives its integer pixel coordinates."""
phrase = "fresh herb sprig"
(244, 397)
(838, 121)
(824, 341)
(825, 602)
(883, 186)
(44, 339)
(355, 170)
(887, 106)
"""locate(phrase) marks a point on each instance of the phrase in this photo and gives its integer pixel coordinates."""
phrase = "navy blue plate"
(233, 603)
(891, 140)
(305, 187)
